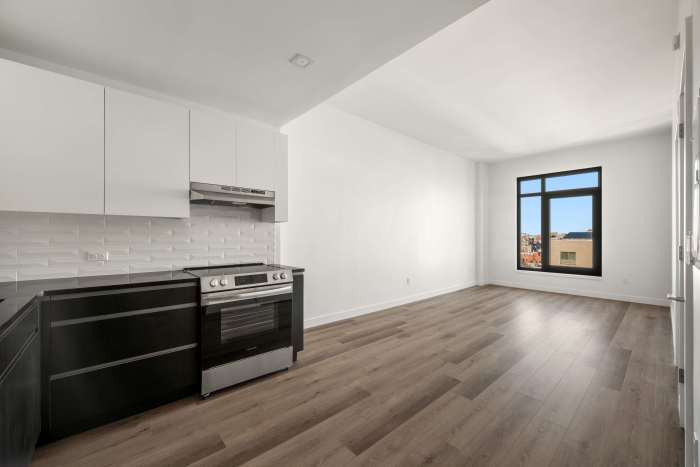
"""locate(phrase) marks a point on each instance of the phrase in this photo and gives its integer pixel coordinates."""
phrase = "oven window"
(247, 320)
(236, 330)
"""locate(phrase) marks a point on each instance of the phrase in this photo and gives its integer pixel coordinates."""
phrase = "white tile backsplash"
(39, 246)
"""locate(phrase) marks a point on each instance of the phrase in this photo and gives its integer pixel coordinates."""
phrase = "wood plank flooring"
(484, 376)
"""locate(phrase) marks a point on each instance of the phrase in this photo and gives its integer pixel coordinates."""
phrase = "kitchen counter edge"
(15, 297)
(19, 295)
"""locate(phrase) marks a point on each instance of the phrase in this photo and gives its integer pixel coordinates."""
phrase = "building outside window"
(559, 222)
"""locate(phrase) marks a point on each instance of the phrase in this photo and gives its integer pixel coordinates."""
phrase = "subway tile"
(230, 251)
(207, 256)
(33, 239)
(22, 262)
(91, 236)
(8, 276)
(47, 251)
(36, 245)
(191, 263)
(169, 256)
(222, 261)
(100, 270)
(45, 273)
(150, 267)
(191, 248)
(119, 237)
(8, 252)
(128, 259)
(150, 249)
(117, 250)
(62, 238)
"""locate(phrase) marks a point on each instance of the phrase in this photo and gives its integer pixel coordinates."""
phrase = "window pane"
(531, 232)
(531, 186)
(571, 182)
(571, 232)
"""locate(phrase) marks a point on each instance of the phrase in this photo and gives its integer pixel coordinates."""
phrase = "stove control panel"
(239, 281)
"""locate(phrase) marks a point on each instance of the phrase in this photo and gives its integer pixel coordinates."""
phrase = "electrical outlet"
(98, 256)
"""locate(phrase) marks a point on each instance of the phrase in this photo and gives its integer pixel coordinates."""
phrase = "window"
(559, 222)
(567, 258)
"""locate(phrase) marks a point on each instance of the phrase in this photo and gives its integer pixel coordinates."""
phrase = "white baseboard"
(586, 293)
(366, 309)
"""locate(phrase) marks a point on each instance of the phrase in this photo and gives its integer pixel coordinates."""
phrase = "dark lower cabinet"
(20, 393)
(85, 400)
(121, 338)
(112, 353)
(298, 314)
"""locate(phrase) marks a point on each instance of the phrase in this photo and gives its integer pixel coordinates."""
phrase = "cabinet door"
(91, 397)
(298, 314)
(212, 148)
(256, 155)
(20, 405)
(280, 168)
(146, 157)
(110, 353)
(51, 142)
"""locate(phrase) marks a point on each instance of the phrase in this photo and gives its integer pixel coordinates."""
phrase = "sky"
(566, 214)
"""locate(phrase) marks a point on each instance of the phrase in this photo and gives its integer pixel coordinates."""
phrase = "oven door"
(241, 323)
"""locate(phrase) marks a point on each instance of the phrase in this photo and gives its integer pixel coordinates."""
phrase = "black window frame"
(545, 197)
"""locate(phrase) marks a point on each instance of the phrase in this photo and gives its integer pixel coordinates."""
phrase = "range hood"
(207, 193)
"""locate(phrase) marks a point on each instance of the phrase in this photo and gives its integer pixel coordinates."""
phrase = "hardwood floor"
(483, 376)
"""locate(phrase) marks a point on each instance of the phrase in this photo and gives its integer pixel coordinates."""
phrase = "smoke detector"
(302, 61)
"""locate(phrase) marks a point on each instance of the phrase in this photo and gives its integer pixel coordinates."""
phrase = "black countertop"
(293, 268)
(15, 296)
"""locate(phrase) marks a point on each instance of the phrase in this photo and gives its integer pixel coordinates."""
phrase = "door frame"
(684, 263)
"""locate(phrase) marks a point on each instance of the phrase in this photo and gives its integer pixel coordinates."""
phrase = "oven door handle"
(228, 297)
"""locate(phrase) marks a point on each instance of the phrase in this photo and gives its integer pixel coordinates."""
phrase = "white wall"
(482, 219)
(636, 218)
(369, 208)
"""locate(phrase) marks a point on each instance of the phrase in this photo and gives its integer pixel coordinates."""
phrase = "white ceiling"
(228, 54)
(517, 77)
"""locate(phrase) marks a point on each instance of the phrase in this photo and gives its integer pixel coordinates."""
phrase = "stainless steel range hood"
(207, 193)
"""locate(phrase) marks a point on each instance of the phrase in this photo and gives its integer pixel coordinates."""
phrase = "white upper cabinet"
(261, 162)
(256, 155)
(212, 148)
(51, 142)
(146, 156)
(281, 182)
(71, 146)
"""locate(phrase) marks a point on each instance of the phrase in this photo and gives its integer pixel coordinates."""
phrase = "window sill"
(560, 274)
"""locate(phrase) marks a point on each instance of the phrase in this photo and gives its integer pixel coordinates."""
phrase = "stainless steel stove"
(246, 315)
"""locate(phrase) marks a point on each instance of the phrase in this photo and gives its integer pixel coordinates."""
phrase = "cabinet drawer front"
(107, 338)
(107, 302)
(20, 416)
(17, 336)
(86, 400)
